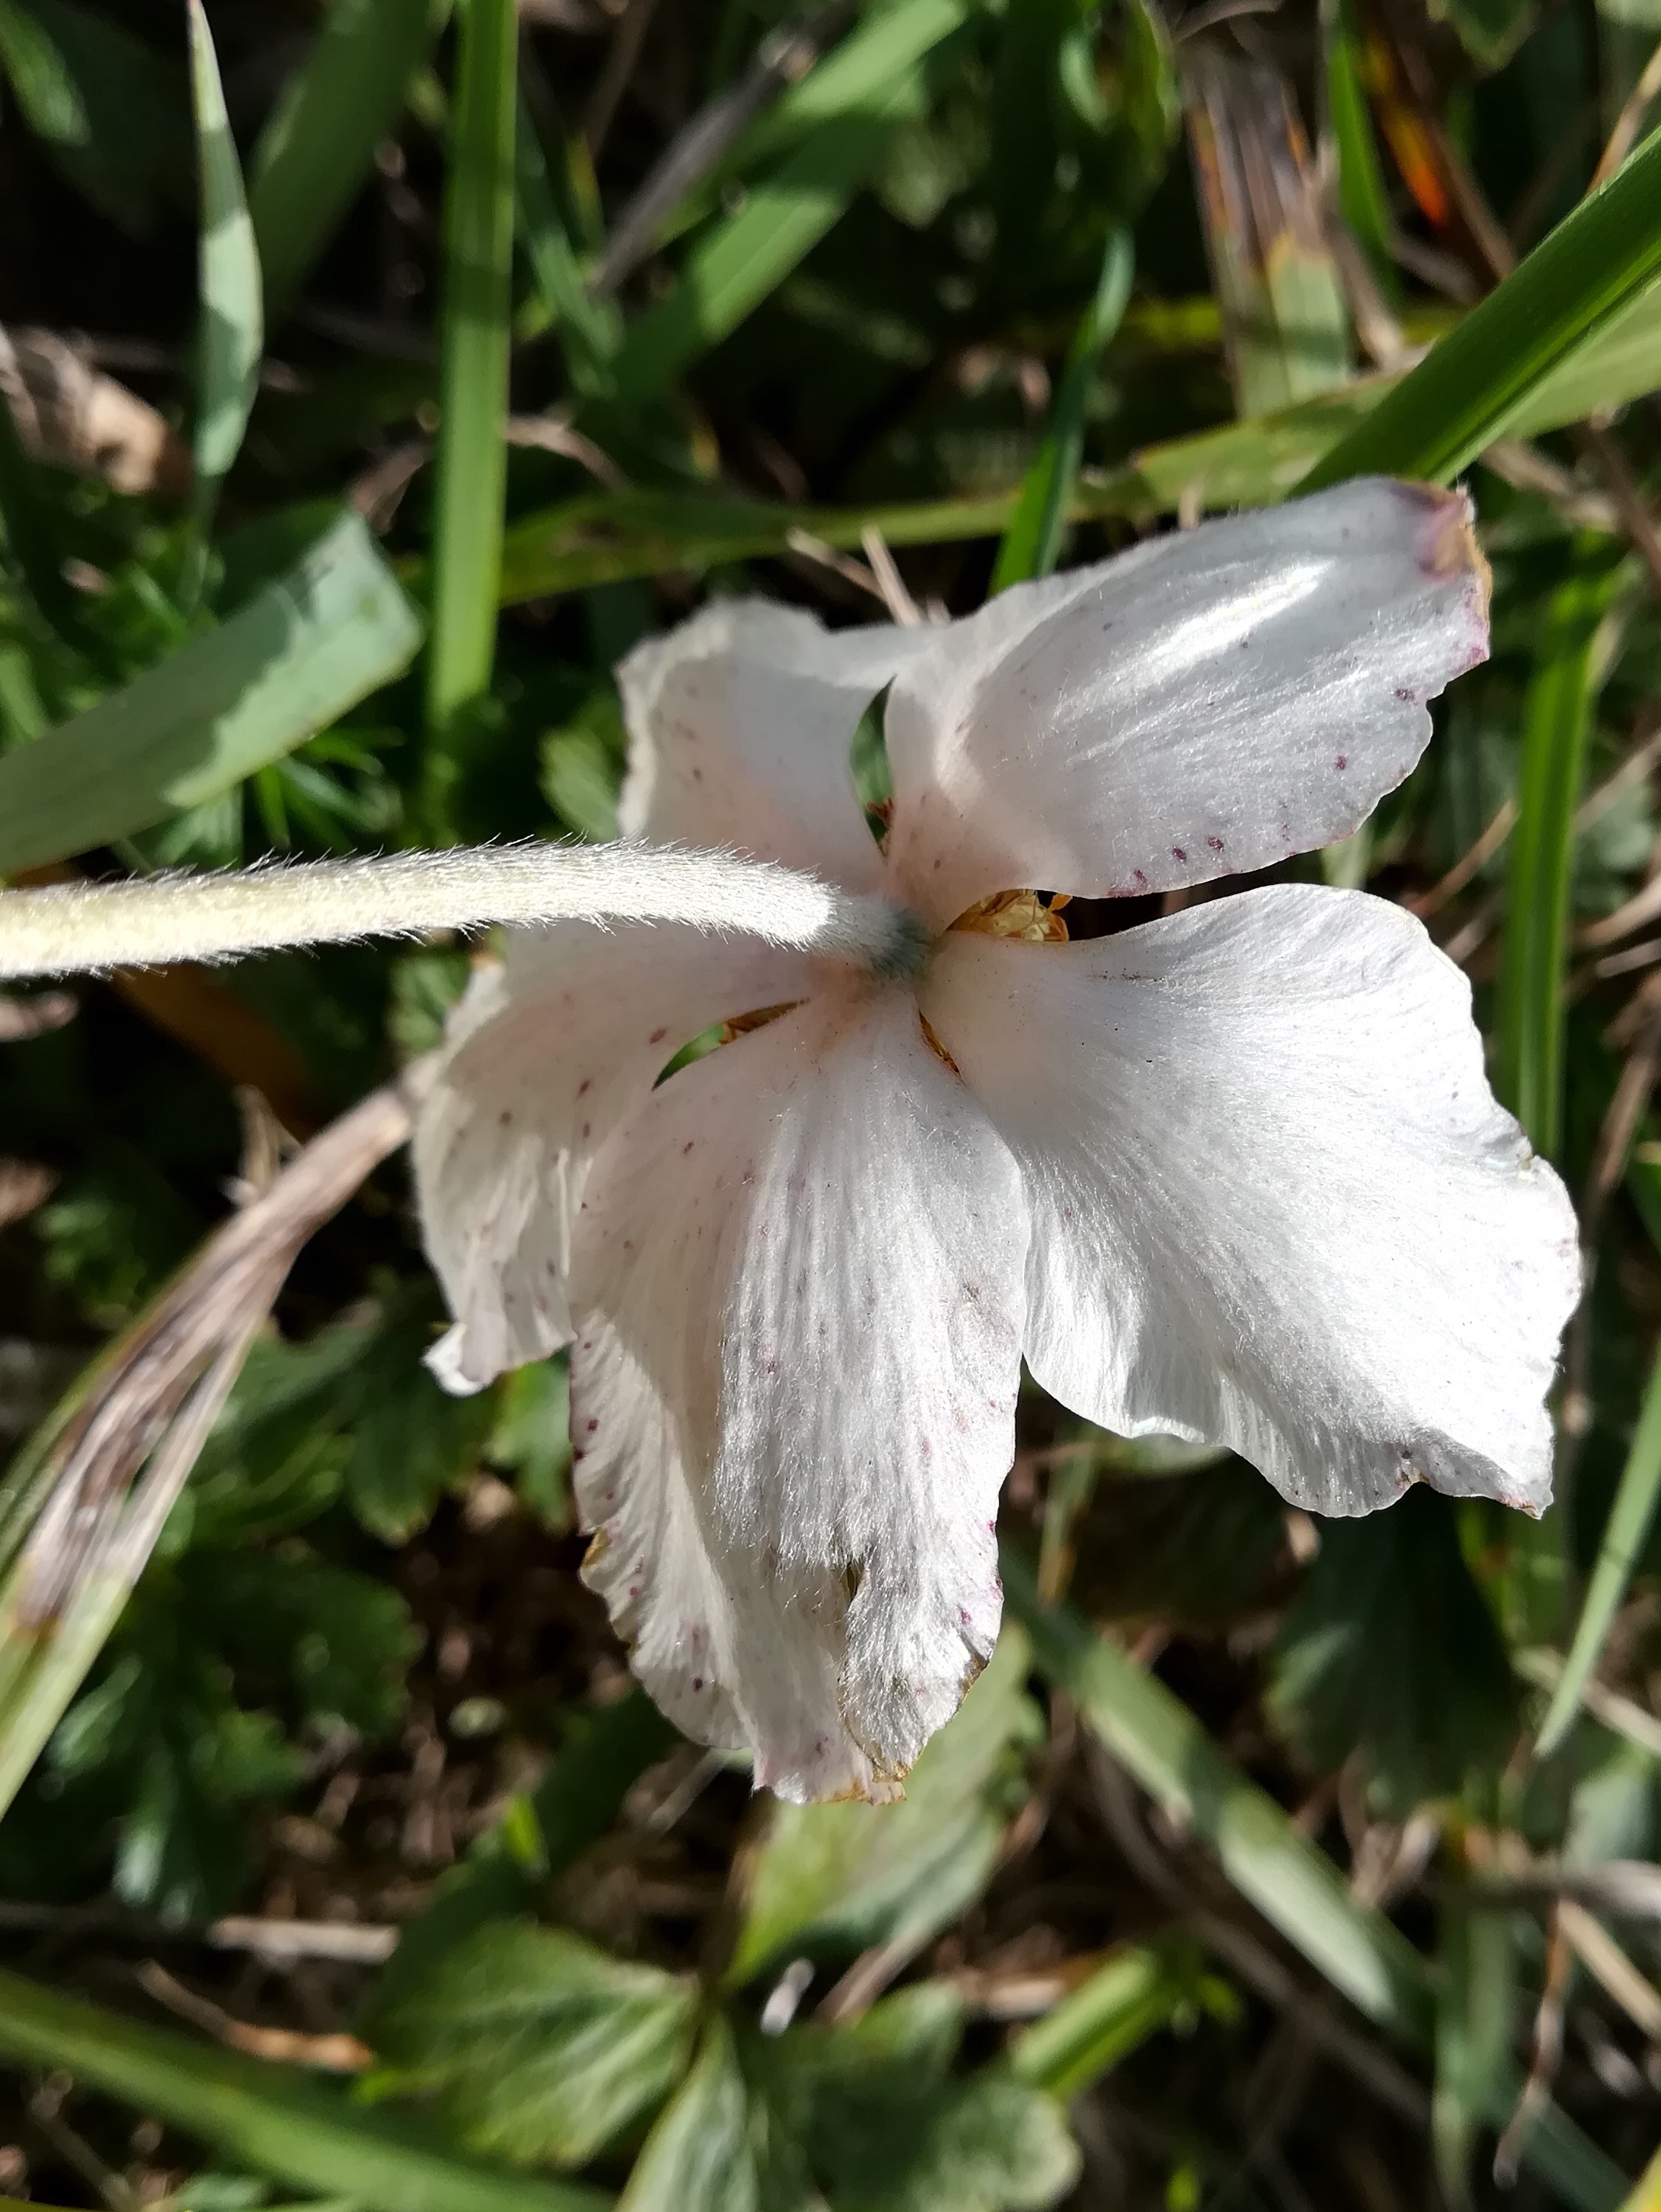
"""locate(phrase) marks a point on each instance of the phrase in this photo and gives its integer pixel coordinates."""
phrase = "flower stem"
(70, 927)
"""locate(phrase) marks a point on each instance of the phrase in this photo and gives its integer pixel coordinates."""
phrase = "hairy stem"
(72, 928)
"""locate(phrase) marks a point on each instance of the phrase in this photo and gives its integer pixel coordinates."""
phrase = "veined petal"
(796, 1282)
(740, 724)
(1274, 1205)
(543, 1058)
(1201, 706)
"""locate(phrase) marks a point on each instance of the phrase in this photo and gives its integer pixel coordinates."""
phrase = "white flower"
(1235, 1173)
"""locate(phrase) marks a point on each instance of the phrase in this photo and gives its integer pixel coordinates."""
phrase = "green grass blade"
(1363, 198)
(1033, 543)
(268, 2118)
(287, 664)
(472, 466)
(319, 142)
(1288, 1879)
(1557, 715)
(732, 270)
(856, 74)
(1134, 1994)
(1470, 388)
(232, 330)
(1624, 1534)
(588, 328)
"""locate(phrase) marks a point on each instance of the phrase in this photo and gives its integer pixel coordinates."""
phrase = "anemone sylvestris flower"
(1235, 1173)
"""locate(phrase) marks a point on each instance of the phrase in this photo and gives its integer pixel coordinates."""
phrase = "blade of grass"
(276, 2120)
(1363, 200)
(287, 664)
(589, 330)
(1557, 713)
(1288, 1879)
(1471, 387)
(1032, 544)
(747, 255)
(1631, 1517)
(470, 465)
(1473, 2034)
(319, 142)
(857, 73)
(233, 333)
(1135, 1994)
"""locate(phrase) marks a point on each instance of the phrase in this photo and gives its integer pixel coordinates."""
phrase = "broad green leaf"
(1390, 1655)
(285, 665)
(700, 2156)
(1470, 388)
(541, 2047)
(470, 467)
(329, 1642)
(318, 144)
(410, 1440)
(533, 1437)
(539, 1836)
(845, 1875)
(877, 2122)
(232, 329)
(1624, 1534)
(1277, 1869)
(1556, 716)
(111, 109)
(1033, 544)
(270, 2118)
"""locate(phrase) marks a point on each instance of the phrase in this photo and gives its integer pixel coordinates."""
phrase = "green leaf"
(110, 108)
(1624, 1534)
(1475, 1997)
(882, 2125)
(577, 1801)
(1389, 1655)
(1363, 198)
(268, 2118)
(589, 330)
(284, 666)
(582, 763)
(700, 2156)
(318, 144)
(1470, 388)
(849, 1875)
(541, 2047)
(232, 329)
(333, 1642)
(1033, 544)
(1557, 714)
(1138, 1991)
(1276, 1868)
(1490, 31)
(1285, 321)
(732, 270)
(410, 1440)
(857, 74)
(470, 467)
(533, 1438)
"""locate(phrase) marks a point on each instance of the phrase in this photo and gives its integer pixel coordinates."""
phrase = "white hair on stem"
(70, 929)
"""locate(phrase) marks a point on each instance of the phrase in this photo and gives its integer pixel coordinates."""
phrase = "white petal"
(797, 1287)
(542, 1061)
(740, 724)
(1199, 707)
(1274, 1205)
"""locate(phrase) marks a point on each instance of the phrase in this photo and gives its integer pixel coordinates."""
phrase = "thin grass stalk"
(470, 467)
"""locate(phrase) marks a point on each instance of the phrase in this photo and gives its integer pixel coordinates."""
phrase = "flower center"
(1022, 915)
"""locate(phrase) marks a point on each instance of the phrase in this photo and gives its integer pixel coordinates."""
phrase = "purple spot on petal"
(1177, 854)
(1341, 763)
